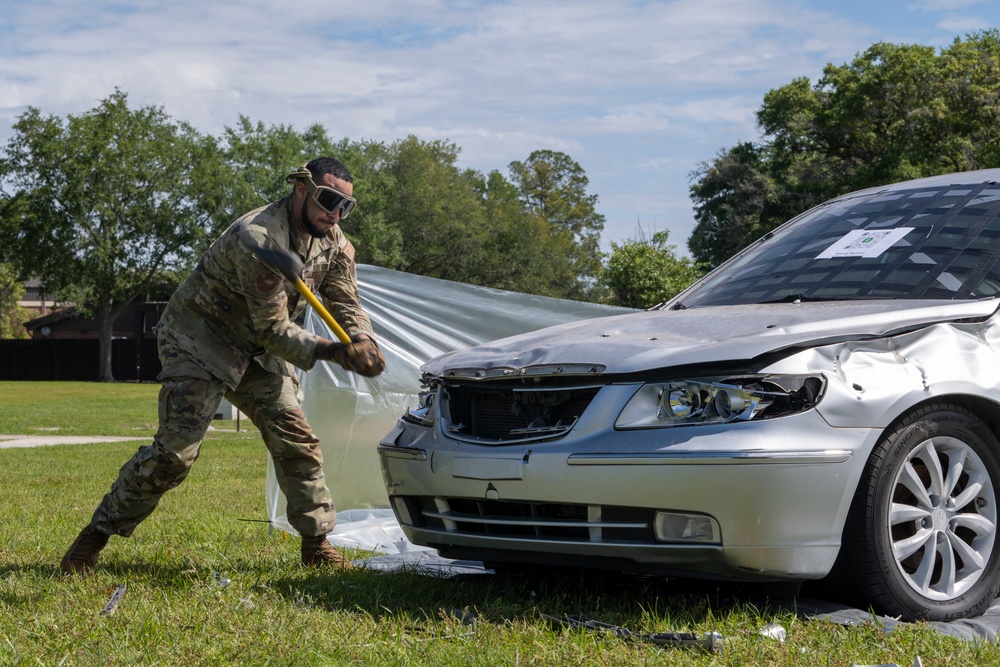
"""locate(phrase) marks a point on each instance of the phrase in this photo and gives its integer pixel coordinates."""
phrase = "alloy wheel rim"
(942, 518)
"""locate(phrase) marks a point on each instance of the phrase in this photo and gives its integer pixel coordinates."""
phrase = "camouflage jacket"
(233, 309)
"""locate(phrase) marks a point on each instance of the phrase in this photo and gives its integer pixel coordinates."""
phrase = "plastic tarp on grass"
(415, 319)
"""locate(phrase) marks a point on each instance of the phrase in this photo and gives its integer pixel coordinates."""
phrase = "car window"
(922, 243)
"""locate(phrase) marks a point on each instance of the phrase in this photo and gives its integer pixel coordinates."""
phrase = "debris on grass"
(112, 604)
(774, 631)
(711, 641)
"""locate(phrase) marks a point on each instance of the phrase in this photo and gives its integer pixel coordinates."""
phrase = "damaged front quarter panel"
(872, 382)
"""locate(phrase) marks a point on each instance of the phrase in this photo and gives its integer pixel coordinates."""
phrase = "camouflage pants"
(186, 407)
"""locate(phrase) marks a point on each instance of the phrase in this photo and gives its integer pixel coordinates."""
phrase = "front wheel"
(920, 541)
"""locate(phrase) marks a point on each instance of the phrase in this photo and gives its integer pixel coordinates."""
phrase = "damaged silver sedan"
(826, 404)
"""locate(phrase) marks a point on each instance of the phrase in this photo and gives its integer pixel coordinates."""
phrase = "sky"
(636, 92)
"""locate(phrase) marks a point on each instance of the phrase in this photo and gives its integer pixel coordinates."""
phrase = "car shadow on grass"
(620, 599)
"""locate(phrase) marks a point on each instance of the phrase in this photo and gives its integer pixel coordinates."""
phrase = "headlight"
(423, 414)
(720, 400)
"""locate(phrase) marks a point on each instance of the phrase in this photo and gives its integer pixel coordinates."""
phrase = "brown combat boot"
(82, 554)
(317, 552)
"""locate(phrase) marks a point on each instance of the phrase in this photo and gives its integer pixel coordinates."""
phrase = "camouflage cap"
(301, 172)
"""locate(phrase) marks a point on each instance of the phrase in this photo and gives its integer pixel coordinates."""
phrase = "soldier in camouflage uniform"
(230, 330)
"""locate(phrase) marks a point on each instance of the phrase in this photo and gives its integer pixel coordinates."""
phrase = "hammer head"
(287, 263)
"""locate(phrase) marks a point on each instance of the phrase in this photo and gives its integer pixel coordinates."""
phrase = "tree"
(374, 227)
(554, 187)
(895, 112)
(971, 74)
(518, 250)
(12, 315)
(735, 203)
(644, 273)
(419, 212)
(433, 206)
(109, 200)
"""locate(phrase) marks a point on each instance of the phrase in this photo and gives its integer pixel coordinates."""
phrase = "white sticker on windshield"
(865, 243)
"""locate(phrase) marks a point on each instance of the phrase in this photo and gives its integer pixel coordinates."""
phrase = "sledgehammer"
(290, 266)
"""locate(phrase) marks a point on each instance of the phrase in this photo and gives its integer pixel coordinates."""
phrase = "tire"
(921, 537)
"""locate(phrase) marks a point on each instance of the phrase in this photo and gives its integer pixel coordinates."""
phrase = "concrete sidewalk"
(12, 441)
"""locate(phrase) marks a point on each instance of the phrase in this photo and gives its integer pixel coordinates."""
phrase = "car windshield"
(921, 243)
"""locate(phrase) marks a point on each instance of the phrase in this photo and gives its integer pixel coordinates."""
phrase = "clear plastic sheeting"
(373, 529)
(415, 319)
(425, 562)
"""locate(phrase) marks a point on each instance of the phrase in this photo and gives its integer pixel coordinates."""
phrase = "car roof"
(956, 178)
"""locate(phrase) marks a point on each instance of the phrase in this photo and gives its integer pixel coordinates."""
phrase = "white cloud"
(628, 122)
(636, 92)
(961, 25)
(943, 5)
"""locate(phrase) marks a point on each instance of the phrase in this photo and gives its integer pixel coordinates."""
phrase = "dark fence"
(77, 359)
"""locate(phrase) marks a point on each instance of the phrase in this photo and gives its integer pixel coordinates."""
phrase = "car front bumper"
(779, 491)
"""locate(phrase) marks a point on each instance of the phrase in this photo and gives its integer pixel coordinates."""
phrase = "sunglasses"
(330, 199)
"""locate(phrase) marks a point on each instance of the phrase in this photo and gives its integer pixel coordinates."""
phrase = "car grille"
(511, 414)
(552, 521)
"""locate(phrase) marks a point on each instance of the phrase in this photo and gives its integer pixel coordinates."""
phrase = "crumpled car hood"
(648, 340)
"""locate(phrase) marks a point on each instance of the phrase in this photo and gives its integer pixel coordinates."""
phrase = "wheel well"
(854, 578)
(983, 408)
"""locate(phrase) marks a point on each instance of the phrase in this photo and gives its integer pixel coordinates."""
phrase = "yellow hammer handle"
(323, 312)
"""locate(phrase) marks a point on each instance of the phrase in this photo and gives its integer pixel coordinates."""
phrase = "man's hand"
(361, 356)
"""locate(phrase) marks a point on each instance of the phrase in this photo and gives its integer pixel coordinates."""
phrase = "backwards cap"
(299, 173)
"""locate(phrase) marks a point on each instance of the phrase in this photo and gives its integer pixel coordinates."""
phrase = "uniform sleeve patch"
(348, 251)
(266, 282)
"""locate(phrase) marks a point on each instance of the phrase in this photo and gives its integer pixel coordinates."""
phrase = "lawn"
(208, 584)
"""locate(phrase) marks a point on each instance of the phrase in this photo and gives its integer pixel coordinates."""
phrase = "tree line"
(117, 203)
(895, 112)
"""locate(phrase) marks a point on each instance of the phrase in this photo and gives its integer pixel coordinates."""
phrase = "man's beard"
(309, 225)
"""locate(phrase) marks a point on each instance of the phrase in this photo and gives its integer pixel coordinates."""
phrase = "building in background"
(137, 322)
(36, 299)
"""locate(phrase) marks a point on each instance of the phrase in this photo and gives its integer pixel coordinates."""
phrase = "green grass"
(77, 408)
(275, 612)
